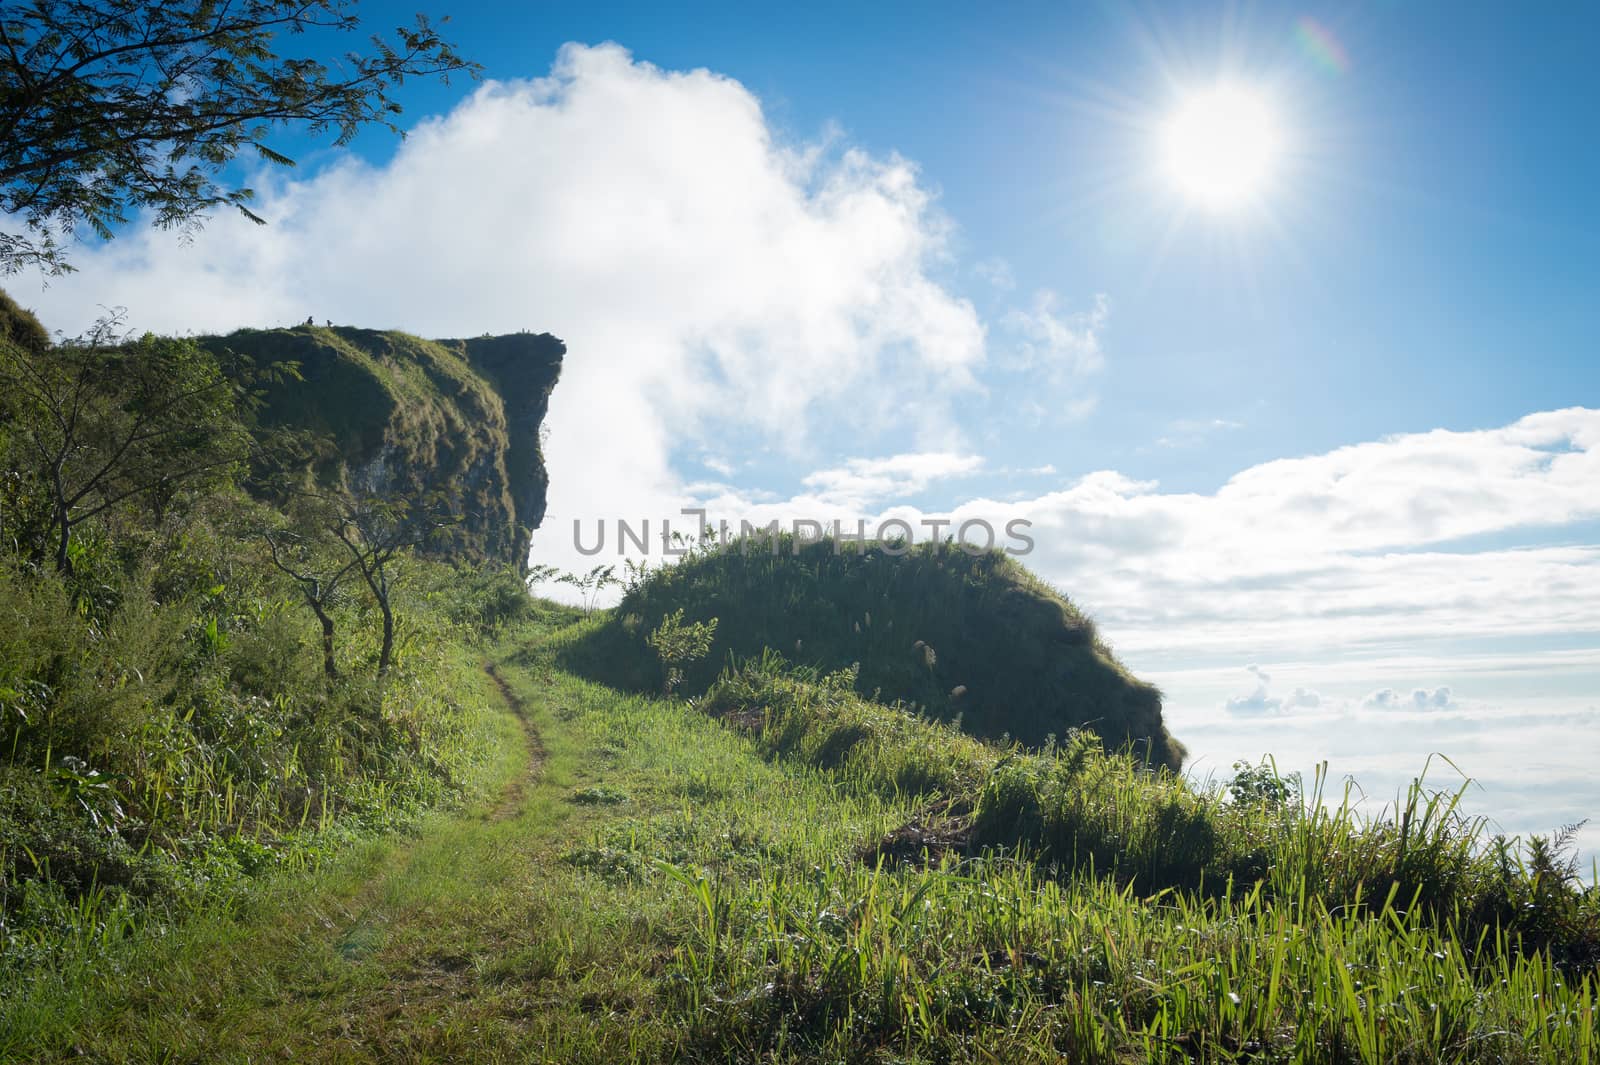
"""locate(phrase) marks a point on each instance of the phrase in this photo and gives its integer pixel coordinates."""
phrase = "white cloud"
(1419, 699)
(1057, 349)
(862, 483)
(1303, 697)
(997, 271)
(717, 464)
(704, 274)
(1258, 701)
(1192, 432)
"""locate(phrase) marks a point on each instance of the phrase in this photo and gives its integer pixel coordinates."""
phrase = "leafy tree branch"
(109, 106)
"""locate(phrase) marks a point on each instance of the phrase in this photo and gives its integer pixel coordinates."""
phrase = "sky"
(1321, 462)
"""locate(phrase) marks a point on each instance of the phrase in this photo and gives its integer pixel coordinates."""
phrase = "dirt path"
(511, 800)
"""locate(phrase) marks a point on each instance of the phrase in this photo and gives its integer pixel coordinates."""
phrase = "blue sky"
(1323, 466)
(1434, 255)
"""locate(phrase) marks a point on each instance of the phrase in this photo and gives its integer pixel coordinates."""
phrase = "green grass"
(155, 756)
(1080, 810)
(221, 981)
(969, 638)
(651, 881)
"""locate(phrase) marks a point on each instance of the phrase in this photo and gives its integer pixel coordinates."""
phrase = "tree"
(374, 531)
(96, 424)
(112, 105)
(331, 539)
(320, 584)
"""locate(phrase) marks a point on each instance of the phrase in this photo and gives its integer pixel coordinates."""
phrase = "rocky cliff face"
(407, 415)
(524, 368)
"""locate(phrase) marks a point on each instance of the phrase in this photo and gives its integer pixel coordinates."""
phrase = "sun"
(1221, 146)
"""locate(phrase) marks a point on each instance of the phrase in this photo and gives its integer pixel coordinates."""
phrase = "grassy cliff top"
(404, 414)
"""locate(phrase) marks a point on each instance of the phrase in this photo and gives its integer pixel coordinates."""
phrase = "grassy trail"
(527, 928)
(515, 793)
(394, 952)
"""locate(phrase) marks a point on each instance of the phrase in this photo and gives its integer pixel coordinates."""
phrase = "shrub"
(677, 645)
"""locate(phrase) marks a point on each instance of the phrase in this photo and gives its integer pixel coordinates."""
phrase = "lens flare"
(1318, 42)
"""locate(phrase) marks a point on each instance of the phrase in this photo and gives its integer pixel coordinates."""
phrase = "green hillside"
(19, 326)
(406, 415)
(971, 637)
(785, 872)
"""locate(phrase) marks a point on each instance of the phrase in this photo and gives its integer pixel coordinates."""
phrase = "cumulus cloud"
(706, 276)
(1419, 699)
(1258, 701)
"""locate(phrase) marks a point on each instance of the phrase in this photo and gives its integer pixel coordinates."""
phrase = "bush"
(49, 834)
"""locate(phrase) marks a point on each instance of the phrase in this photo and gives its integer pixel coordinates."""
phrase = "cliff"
(405, 414)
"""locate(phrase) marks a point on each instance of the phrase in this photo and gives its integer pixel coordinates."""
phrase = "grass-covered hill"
(407, 415)
(974, 637)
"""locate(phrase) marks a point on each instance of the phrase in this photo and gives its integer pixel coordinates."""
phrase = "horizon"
(1315, 444)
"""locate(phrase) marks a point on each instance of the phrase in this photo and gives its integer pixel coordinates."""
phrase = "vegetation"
(19, 327)
(677, 884)
(677, 645)
(167, 722)
(96, 424)
(111, 107)
(229, 670)
(974, 638)
(589, 585)
(1077, 809)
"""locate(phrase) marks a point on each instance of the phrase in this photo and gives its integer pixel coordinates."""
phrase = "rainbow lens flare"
(1318, 42)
